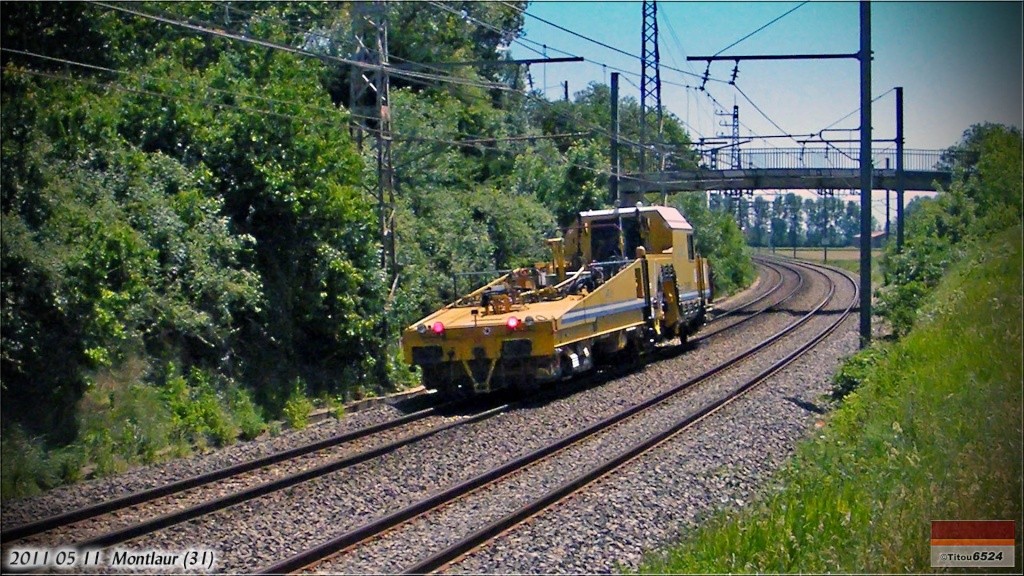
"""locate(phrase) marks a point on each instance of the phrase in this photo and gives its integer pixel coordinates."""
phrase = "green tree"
(849, 223)
(757, 234)
(202, 208)
(719, 239)
(984, 198)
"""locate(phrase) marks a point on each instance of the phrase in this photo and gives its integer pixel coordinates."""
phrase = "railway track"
(745, 312)
(811, 336)
(65, 523)
(345, 545)
(284, 468)
(241, 477)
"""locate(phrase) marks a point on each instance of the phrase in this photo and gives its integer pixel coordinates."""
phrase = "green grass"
(934, 432)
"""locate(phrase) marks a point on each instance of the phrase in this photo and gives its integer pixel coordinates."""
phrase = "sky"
(959, 63)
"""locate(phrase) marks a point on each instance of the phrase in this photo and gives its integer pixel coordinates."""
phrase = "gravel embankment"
(724, 461)
(93, 527)
(401, 548)
(255, 534)
(74, 496)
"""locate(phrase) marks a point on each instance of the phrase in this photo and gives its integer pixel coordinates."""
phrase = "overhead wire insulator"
(735, 72)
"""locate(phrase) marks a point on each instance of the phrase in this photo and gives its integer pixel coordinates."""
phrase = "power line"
(298, 51)
(488, 139)
(758, 108)
(149, 77)
(679, 44)
(478, 142)
(143, 91)
(275, 46)
(394, 71)
(630, 73)
(855, 110)
(602, 44)
(790, 11)
(604, 65)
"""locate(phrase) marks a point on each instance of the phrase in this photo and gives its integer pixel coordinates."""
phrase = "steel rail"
(492, 530)
(172, 518)
(382, 524)
(743, 321)
(143, 496)
(203, 508)
(776, 286)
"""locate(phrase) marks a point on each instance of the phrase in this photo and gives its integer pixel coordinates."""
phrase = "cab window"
(689, 246)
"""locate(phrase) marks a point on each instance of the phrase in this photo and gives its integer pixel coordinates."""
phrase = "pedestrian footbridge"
(827, 168)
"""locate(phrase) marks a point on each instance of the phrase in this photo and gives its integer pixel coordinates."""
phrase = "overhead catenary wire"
(758, 108)
(397, 72)
(604, 131)
(477, 21)
(855, 110)
(603, 65)
(271, 45)
(600, 43)
(479, 141)
(506, 32)
(303, 105)
(209, 30)
(787, 13)
(441, 78)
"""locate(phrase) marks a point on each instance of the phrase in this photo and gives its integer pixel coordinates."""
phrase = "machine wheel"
(527, 386)
(635, 352)
(453, 391)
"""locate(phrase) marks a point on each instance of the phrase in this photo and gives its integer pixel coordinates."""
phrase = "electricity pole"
(370, 104)
(650, 86)
(370, 107)
(865, 173)
(613, 182)
(864, 57)
(899, 168)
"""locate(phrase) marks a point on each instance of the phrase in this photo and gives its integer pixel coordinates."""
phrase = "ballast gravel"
(402, 547)
(65, 498)
(718, 467)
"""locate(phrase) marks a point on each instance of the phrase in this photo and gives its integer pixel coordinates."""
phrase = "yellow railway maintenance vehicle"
(589, 305)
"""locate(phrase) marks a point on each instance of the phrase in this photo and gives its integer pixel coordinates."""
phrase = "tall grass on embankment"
(933, 433)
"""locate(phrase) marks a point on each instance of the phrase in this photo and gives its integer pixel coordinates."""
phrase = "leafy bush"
(246, 414)
(984, 198)
(123, 420)
(298, 407)
(25, 467)
(201, 408)
(335, 405)
(719, 239)
(855, 371)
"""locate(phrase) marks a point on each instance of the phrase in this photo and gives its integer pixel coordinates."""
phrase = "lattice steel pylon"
(650, 84)
(369, 104)
(734, 140)
(735, 163)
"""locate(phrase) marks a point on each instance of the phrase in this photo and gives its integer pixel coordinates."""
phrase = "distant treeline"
(792, 220)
